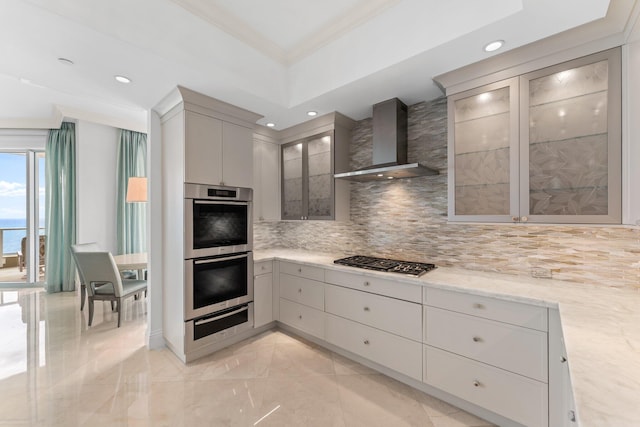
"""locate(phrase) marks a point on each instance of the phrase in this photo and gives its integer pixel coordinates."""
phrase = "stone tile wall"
(407, 219)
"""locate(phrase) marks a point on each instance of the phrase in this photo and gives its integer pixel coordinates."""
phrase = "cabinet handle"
(572, 416)
(264, 268)
(563, 359)
(300, 317)
(476, 383)
(524, 219)
(478, 305)
(366, 309)
(477, 339)
(299, 290)
(515, 219)
(366, 283)
(299, 270)
(366, 342)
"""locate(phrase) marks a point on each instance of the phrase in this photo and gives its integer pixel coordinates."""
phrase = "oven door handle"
(227, 258)
(213, 319)
(219, 202)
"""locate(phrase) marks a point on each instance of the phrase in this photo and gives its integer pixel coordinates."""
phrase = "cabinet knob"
(476, 383)
(563, 359)
(366, 342)
(524, 219)
(299, 270)
(299, 290)
(515, 219)
(300, 317)
(477, 339)
(572, 416)
(366, 309)
(478, 305)
(366, 283)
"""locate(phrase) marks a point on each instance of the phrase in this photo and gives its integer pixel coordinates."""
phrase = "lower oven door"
(217, 283)
(218, 326)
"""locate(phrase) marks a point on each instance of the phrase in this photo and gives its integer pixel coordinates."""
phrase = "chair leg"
(119, 309)
(90, 310)
(83, 295)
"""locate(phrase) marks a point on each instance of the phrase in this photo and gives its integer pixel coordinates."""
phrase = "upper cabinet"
(312, 153)
(541, 147)
(266, 173)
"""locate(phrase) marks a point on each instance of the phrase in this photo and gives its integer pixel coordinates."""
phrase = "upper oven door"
(217, 227)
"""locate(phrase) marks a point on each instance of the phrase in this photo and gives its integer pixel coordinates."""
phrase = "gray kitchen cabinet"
(312, 152)
(216, 151)
(266, 174)
(562, 410)
(541, 147)
(262, 293)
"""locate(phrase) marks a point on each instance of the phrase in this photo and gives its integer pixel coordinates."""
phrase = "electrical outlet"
(541, 273)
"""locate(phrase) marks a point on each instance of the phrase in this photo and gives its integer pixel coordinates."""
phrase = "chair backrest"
(83, 247)
(98, 268)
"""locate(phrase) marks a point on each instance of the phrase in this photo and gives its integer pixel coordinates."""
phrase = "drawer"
(516, 313)
(262, 267)
(392, 315)
(514, 348)
(515, 397)
(390, 288)
(301, 317)
(302, 270)
(394, 352)
(302, 291)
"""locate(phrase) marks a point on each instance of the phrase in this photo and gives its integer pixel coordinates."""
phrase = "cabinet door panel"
(302, 317)
(292, 185)
(203, 149)
(262, 299)
(237, 152)
(303, 291)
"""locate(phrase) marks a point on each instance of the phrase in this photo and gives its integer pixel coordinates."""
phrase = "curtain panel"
(131, 218)
(60, 205)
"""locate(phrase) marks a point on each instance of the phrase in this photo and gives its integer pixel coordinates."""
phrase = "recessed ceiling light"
(270, 124)
(122, 79)
(493, 46)
(65, 61)
(312, 113)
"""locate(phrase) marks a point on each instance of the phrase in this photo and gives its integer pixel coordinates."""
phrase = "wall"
(96, 155)
(407, 219)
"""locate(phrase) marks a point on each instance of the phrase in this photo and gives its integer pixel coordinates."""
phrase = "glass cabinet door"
(483, 153)
(292, 181)
(571, 141)
(319, 151)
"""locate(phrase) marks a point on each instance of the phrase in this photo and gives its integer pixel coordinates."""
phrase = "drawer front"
(301, 317)
(518, 398)
(514, 348)
(302, 270)
(397, 353)
(390, 288)
(398, 317)
(515, 313)
(302, 291)
(262, 267)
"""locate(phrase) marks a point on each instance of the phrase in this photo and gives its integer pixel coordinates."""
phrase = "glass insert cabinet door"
(571, 141)
(307, 178)
(483, 150)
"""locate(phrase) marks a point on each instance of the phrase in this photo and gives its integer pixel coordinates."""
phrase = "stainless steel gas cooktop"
(385, 264)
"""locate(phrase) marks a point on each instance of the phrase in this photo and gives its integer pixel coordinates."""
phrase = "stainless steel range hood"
(389, 147)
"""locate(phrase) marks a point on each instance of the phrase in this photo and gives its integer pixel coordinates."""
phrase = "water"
(11, 238)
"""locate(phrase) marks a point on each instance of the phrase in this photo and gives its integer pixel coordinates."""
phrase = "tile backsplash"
(407, 219)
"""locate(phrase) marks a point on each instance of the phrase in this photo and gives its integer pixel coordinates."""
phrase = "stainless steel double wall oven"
(218, 263)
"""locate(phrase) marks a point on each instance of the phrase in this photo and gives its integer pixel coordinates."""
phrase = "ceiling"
(279, 58)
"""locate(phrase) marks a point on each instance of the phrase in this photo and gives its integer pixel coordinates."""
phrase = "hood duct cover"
(389, 147)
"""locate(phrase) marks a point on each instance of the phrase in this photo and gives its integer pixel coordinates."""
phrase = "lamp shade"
(137, 189)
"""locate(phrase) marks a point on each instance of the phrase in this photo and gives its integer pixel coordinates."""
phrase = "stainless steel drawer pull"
(300, 317)
(366, 342)
(477, 339)
(366, 309)
(299, 270)
(476, 383)
(366, 283)
(563, 359)
(299, 290)
(478, 305)
(213, 319)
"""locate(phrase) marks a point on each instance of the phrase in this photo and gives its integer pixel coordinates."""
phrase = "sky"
(13, 188)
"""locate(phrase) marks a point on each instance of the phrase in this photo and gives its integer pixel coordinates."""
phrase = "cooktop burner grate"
(385, 264)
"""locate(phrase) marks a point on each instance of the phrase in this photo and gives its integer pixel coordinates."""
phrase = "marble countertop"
(601, 328)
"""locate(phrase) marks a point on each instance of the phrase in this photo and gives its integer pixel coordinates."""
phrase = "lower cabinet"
(513, 396)
(397, 353)
(305, 318)
(262, 293)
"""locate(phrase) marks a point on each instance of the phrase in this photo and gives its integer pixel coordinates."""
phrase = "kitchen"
(416, 211)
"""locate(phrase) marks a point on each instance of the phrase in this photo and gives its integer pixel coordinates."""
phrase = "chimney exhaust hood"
(389, 147)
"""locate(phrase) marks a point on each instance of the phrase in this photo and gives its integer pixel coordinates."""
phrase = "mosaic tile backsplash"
(407, 219)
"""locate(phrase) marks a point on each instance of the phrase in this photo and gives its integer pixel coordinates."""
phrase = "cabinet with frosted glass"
(307, 178)
(541, 147)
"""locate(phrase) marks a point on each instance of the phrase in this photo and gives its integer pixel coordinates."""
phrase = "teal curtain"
(60, 205)
(131, 218)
